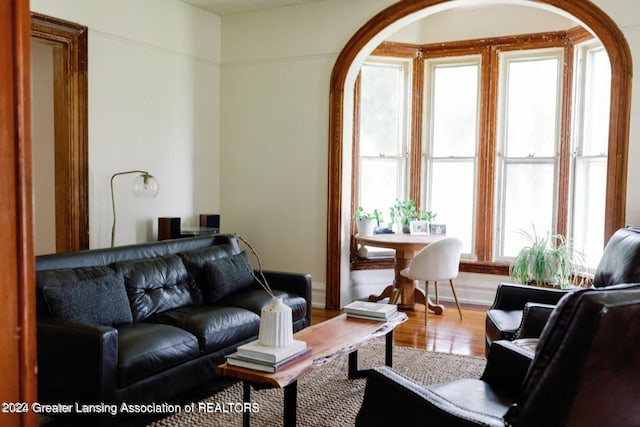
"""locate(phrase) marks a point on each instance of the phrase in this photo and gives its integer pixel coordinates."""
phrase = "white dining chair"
(438, 261)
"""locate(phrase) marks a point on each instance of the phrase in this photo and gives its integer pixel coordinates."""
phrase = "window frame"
(484, 261)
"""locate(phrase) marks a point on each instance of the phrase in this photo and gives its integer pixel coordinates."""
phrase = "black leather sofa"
(585, 372)
(521, 311)
(144, 324)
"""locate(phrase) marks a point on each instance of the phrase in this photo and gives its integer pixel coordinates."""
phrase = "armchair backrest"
(620, 262)
(586, 370)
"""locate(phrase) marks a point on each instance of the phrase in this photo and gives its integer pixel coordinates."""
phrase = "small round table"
(402, 288)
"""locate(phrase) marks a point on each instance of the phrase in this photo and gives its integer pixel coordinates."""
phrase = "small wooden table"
(329, 339)
(402, 288)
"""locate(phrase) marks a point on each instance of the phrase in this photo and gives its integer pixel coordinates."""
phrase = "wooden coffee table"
(329, 339)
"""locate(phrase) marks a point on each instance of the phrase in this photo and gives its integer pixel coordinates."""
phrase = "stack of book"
(264, 358)
(371, 310)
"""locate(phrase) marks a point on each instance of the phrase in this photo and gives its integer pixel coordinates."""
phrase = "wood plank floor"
(444, 333)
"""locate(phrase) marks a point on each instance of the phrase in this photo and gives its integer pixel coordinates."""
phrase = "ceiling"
(231, 7)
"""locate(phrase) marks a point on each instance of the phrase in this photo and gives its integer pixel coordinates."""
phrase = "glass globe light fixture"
(143, 186)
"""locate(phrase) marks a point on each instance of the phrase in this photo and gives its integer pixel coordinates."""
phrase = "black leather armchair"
(585, 371)
(521, 311)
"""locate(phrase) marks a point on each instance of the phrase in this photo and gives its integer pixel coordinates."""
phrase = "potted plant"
(404, 213)
(365, 221)
(546, 261)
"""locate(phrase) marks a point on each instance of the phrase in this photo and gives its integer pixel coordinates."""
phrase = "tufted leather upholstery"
(585, 372)
(176, 338)
(521, 311)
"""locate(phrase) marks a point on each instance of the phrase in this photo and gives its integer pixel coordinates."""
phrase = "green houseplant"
(366, 222)
(406, 211)
(546, 261)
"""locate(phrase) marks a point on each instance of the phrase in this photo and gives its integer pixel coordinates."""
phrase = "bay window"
(493, 135)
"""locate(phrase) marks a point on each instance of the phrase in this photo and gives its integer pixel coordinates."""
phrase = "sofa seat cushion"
(253, 300)
(215, 327)
(145, 349)
(502, 324)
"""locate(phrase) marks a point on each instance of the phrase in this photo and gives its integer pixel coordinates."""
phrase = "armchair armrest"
(390, 398)
(507, 365)
(534, 317)
(76, 362)
(510, 296)
(297, 283)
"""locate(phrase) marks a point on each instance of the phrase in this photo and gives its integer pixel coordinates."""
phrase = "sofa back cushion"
(228, 275)
(99, 301)
(196, 259)
(156, 284)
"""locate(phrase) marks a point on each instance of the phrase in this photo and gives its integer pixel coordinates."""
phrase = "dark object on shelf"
(211, 221)
(169, 228)
(382, 230)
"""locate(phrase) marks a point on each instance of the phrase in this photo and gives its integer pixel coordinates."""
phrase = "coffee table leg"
(388, 349)
(353, 371)
(246, 398)
(290, 403)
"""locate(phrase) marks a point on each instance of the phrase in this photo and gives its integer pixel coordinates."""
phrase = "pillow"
(229, 275)
(100, 301)
(64, 276)
(195, 260)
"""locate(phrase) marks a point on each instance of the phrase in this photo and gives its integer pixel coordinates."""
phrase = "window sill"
(482, 267)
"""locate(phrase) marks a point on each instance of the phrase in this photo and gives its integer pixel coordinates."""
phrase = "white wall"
(154, 104)
(275, 79)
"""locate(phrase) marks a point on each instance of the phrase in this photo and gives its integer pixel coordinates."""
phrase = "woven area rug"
(326, 398)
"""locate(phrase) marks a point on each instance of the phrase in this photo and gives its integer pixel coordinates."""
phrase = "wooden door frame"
(69, 41)
(17, 290)
(586, 12)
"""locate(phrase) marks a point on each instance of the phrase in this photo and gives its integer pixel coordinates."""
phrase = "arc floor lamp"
(143, 186)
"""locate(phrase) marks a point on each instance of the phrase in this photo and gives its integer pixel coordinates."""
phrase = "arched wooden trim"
(69, 42)
(621, 72)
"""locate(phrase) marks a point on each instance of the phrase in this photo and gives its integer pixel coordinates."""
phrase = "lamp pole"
(146, 176)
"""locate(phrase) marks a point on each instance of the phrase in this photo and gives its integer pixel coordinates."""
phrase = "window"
(382, 160)
(589, 153)
(450, 154)
(528, 146)
(514, 135)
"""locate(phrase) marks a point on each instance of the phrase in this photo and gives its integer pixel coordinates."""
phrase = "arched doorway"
(395, 16)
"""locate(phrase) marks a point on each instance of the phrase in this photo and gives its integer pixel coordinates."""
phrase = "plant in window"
(367, 222)
(404, 212)
(546, 261)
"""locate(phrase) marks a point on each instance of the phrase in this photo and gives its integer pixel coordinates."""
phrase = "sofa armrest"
(534, 317)
(510, 296)
(297, 283)
(77, 362)
(391, 398)
(507, 365)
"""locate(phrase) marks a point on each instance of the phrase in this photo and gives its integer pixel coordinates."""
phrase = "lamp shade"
(145, 186)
